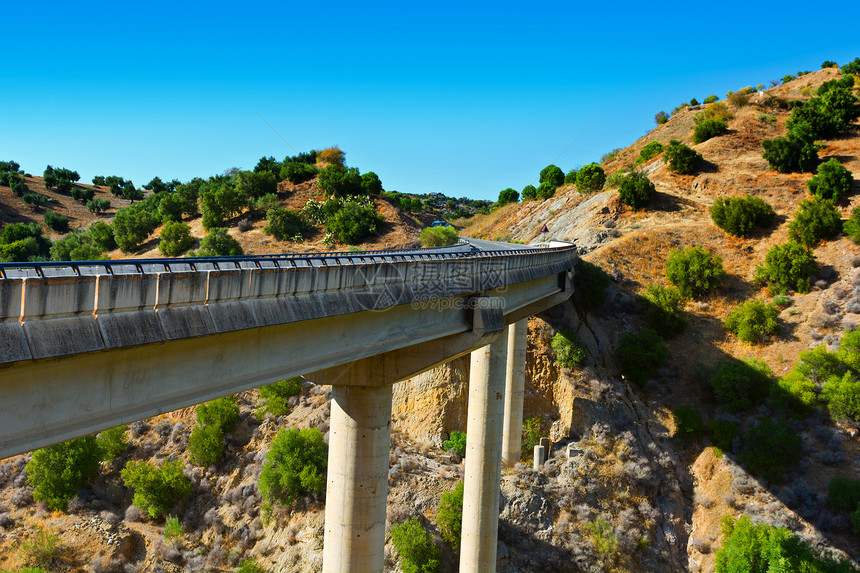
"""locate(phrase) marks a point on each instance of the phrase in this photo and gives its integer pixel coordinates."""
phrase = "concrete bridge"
(91, 345)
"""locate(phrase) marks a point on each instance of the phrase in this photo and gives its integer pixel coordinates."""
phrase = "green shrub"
(851, 227)
(710, 99)
(173, 528)
(636, 190)
(843, 492)
(545, 190)
(739, 99)
(795, 153)
(552, 174)
(816, 219)
(353, 222)
(842, 394)
(175, 238)
(590, 178)
(250, 565)
(284, 224)
(738, 216)
(770, 448)
(34, 199)
(275, 396)
(256, 184)
(75, 246)
(530, 437)
(529, 193)
(570, 178)
(98, 205)
(664, 312)
(794, 394)
(708, 129)
(340, 181)
(832, 182)
(741, 384)
(688, 422)
(41, 550)
(681, 159)
(82, 194)
(296, 172)
(652, 149)
(294, 466)
(206, 445)
(753, 320)
(762, 548)
(437, 236)
(55, 222)
(57, 472)
(218, 243)
(112, 442)
(131, 226)
(508, 196)
(661, 117)
(456, 443)
(156, 489)
(641, 355)
(590, 284)
(848, 354)
(569, 350)
(449, 518)
(603, 537)
(787, 266)
(415, 547)
(694, 271)
(223, 413)
(723, 433)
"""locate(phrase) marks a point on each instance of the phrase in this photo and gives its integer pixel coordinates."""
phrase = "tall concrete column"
(514, 391)
(359, 441)
(479, 536)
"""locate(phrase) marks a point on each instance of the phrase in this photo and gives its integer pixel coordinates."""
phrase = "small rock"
(610, 224)
(855, 262)
(815, 335)
(830, 306)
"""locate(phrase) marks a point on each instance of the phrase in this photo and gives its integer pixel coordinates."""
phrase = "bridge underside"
(51, 400)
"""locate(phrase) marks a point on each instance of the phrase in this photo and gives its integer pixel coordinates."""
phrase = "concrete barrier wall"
(49, 316)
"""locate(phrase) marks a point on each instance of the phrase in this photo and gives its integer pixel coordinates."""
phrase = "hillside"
(635, 495)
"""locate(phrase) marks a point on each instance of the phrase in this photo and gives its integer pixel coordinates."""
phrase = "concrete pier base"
(514, 392)
(479, 537)
(359, 442)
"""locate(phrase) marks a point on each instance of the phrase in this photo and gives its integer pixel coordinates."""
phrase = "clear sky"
(464, 99)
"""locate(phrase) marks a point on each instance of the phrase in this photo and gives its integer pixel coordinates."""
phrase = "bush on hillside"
(175, 238)
(796, 153)
(415, 547)
(569, 350)
(57, 472)
(332, 155)
(437, 236)
(112, 442)
(221, 202)
(753, 320)
(664, 312)
(82, 194)
(739, 99)
(590, 178)
(661, 117)
(570, 178)
(508, 196)
(76, 246)
(787, 266)
(56, 222)
(681, 159)
(652, 149)
(741, 384)
(851, 227)
(218, 243)
(723, 433)
(340, 182)
(294, 467)
(710, 99)
(770, 449)
(214, 419)
(842, 394)
(843, 492)
(206, 445)
(708, 129)
(816, 219)
(552, 174)
(156, 489)
(833, 181)
(762, 548)
(636, 190)
(371, 184)
(688, 422)
(590, 284)
(353, 222)
(102, 236)
(740, 215)
(284, 224)
(529, 193)
(531, 434)
(296, 172)
(21, 242)
(456, 443)
(641, 355)
(98, 205)
(449, 517)
(256, 184)
(794, 394)
(36, 200)
(694, 271)
(131, 226)
(274, 397)
(545, 190)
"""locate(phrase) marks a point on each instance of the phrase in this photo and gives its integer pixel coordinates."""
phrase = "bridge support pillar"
(514, 392)
(357, 491)
(479, 536)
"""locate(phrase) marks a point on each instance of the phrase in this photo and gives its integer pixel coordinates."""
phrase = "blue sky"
(461, 99)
